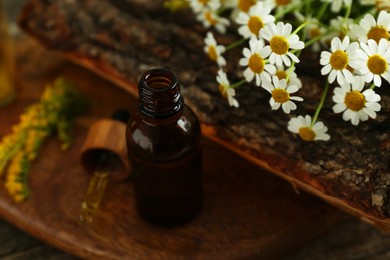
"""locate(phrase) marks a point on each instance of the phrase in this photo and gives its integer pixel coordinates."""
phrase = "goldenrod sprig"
(58, 105)
(16, 182)
(63, 127)
(9, 146)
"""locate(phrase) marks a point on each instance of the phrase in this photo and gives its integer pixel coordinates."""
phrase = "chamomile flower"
(343, 54)
(338, 4)
(229, 3)
(306, 130)
(213, 50)
(369, 28)
(340, 27)
(280, 42)
(238, 6)
(282, 73)
(315, 30)
(374, 61)
(225, 89)
(380, 4)
(383, 5)
(252, 22)
(242, 5)
(254, 58)
(210, 18)
(356, 105)
(281, 4)
(280, 94)
(199, 5)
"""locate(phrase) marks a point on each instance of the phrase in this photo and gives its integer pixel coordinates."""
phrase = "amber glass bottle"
(163, 141)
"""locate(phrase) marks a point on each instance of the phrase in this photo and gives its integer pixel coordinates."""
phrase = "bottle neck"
(159, 94)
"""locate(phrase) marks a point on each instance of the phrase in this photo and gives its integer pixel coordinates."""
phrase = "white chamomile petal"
(200, 5)
(254, 60)
(369, 28)
(213, 50)
(254, 20)
(336, 63)
(306, 131)
(281, 41)
(280, 94)
(225, 89)
(356, 105)
(210, 18)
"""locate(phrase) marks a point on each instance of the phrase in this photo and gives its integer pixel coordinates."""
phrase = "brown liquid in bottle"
(164, 150)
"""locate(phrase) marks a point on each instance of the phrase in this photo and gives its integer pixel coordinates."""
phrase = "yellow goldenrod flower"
(52, 113)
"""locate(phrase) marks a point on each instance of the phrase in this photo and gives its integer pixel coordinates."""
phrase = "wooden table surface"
(352, 239)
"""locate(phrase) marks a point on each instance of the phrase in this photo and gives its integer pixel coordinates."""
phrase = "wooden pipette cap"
(105, 149)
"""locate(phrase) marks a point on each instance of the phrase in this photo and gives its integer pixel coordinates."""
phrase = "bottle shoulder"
(163, 140)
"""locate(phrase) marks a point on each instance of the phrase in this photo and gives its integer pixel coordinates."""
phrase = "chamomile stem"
(348, 12)
(285, 11)
(300, 27)
(221, 10)
(372, 86)
(237, 84)
(235, 44)
(322, 10)
(290, 70)
(321, 104)
(314, 40)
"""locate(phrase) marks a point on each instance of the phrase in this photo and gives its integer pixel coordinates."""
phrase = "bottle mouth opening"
(159, 80)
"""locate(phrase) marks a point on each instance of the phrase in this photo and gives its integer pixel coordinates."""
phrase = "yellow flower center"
(222, 90)
(382, 5)
(377, 64)
(354, 100)
(377, 33)
(245, 5)
(212, 52)
(209, 17)
(306, 133)
(256, 63)
(255, 24)
(280, 95)
(203, 2)
(281, 74)
(282, 2)
(339, 60)
(279, 45)
(314, 32)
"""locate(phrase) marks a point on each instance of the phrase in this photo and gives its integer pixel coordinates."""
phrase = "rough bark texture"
(125, 38)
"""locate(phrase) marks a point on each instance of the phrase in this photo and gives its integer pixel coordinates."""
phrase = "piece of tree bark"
(121, 39)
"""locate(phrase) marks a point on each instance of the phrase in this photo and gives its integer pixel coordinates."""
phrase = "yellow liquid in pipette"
(93, 196)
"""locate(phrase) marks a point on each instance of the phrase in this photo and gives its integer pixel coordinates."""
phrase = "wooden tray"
(247, 212)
